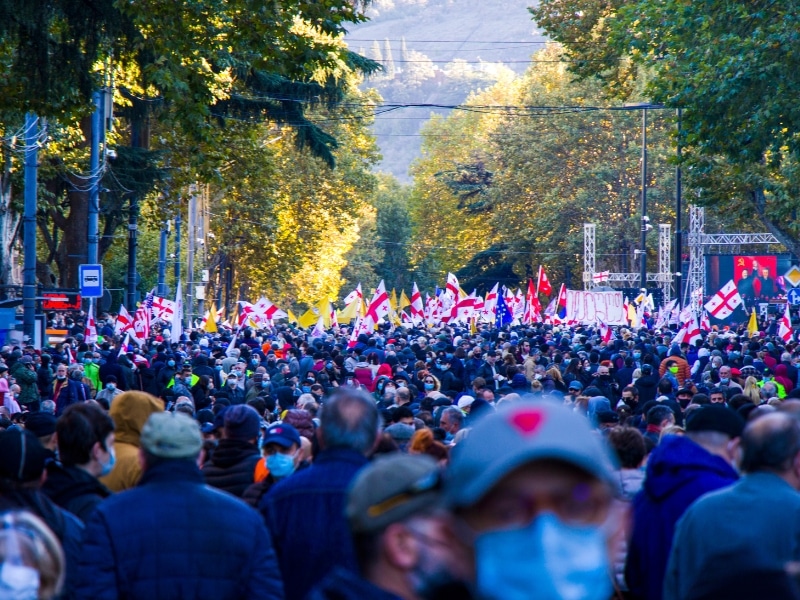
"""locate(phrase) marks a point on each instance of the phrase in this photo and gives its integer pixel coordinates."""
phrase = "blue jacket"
(341, 584)
(174, 537)
(305, 515)
(678, 473)
(752, 526)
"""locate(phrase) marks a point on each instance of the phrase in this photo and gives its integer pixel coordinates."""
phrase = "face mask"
(111, 386)
(449, 355)
(724, 380)
(170, 363)
(107, 468)
(87, 361)
(605, 377)
(280, 465)
(61, 377)
(218, 368)
(559, 561)
(389, 388)
(18, 582)
(428, 386)
(637, 355)
(306, 389)
(673, 370)
(232, 382)
(537, 376)
(265, 384)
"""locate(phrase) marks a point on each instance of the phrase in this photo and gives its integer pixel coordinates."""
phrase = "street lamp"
(645, 219)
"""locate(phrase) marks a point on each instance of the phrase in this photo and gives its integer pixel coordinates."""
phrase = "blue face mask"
(428, 386)
(265, 384)
(637, 355)
(170, 363)
(306, 389)
(547, 559)
(109, 466)
(448, 355)
(280, 465)
(724, 380)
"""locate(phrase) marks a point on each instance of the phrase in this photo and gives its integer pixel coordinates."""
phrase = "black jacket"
(74, 489)
(232, 466)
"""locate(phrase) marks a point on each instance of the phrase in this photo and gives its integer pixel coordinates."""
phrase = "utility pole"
(678, 208)
(98, 140)
(29, 229)
(178, 246)
(162, 260)
(645, 218)
(133, 243)
(190, 252)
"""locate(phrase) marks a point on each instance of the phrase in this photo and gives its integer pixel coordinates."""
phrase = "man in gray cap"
(400, 535)
(172, 536)
(532, 493)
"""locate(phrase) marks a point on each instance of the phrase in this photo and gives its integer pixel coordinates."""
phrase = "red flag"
(543, 286)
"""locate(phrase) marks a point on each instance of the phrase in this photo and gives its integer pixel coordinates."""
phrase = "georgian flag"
(124, 321)
(163, 309)
(785, 326)
(417, 309)
(356, 294)
(725, 301)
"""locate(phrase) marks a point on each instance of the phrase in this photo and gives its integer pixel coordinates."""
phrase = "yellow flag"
(324, 307)
(752, 325)
(308, 318)
(348, 313)
(404, 301)
(393, 300)
(292, 318)
(631, 316)
(473, 326)
(210, 324)
(363, 309)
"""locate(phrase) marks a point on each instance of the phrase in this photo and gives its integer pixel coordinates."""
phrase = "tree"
(732, 67)
(500, 191)
(188, 65)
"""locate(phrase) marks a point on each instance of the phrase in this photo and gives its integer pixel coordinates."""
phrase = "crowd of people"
(521, 462)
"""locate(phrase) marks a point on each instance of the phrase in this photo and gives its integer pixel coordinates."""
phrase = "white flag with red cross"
(785, 325)
(725, 301)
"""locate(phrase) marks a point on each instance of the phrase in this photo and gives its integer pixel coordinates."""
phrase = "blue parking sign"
(91, 280)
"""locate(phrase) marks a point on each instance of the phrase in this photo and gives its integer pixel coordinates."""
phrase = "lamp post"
(678, 208)
(644, 218)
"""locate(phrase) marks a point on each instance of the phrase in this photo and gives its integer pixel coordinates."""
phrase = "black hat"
(40, 423)
(22, 455)
(712, 417)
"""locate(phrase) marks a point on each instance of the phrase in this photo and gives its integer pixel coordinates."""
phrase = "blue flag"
(503, 315)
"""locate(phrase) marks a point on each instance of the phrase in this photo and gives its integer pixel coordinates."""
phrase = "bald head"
(771, 443)
(349, 419)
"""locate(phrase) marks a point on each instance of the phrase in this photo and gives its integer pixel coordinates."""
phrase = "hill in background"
(438, 52)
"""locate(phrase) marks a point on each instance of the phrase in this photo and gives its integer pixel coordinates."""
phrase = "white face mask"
(18, 582)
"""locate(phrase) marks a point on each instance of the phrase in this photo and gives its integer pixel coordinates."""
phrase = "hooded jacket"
(130, 412)
(679, 472)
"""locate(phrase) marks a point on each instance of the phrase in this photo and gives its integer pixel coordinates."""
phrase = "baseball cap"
(522, 433)
(575, 385)
(22, 456)
(391, 489)
(715, 417)
(26, 360)
(171, 435)
(282, 434)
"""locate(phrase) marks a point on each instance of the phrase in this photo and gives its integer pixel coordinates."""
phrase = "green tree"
(732, 67)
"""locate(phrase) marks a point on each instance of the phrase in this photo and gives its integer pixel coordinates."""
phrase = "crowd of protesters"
(523, 462)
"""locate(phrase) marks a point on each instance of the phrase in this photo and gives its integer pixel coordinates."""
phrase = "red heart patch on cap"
(528, 422)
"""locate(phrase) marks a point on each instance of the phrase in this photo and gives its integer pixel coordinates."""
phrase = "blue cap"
(282, 434)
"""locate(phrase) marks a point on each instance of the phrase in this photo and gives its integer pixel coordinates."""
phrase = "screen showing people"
(755, 277)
